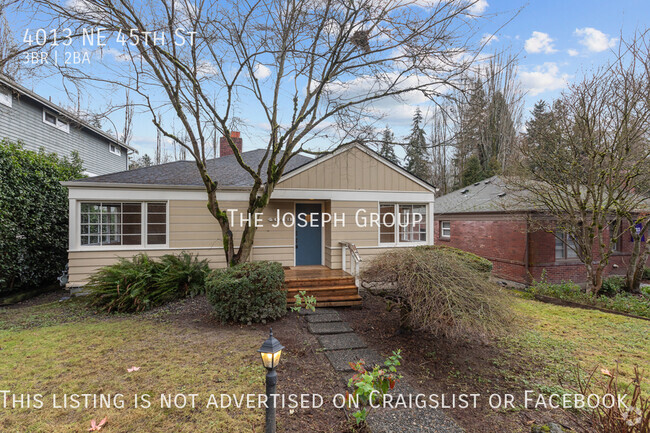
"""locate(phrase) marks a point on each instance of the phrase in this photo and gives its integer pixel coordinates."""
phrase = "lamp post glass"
(271, 351)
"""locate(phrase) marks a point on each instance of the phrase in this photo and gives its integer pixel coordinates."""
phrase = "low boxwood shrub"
(142, 283)
(248, 292)
(438, 290)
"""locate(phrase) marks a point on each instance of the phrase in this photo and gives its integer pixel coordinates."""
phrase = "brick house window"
(445, 229)
(616, 238)
(565, 247)
(410, 227)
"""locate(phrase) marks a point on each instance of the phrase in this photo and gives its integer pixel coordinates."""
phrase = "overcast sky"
(557, 41)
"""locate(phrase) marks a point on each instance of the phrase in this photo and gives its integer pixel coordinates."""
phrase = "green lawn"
(65, 349)
(561, 337)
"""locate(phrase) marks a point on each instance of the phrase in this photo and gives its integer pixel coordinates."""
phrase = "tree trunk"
(638, 258)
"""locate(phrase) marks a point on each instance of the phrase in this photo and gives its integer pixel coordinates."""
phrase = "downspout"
(527, 277)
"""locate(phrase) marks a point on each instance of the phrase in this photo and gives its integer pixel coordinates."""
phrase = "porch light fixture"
(270, 351)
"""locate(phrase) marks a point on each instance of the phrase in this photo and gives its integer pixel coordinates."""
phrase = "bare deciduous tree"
(586, 165)
(313, 68)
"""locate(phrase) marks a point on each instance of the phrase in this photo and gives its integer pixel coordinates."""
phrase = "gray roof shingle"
(225, 170)
(489, 195)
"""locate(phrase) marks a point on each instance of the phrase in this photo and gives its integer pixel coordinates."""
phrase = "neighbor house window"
(410, 227)
(616, 239)
(445, 229)
(53, 120)
(565, 247)
(107, 224)
(5, 98)
(114, 149)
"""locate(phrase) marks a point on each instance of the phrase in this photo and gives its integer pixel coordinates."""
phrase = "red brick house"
(488, 220)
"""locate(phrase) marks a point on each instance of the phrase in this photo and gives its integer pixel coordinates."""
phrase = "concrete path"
(342, 346)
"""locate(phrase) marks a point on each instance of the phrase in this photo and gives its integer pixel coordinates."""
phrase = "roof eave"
(25, 91)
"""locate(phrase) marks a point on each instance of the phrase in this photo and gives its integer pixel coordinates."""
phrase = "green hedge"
(33, 216)
(143, 283)
(568, 291)
(248, 293)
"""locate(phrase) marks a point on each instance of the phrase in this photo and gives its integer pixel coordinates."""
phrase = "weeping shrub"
(440, 290)
(143, 283)
(248, 293)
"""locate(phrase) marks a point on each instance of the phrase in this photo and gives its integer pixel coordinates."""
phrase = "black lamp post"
(271, 350)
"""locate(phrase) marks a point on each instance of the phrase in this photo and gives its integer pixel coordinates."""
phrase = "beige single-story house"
(162, 209)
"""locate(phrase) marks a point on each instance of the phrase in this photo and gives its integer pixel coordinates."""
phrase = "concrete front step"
(329, 328)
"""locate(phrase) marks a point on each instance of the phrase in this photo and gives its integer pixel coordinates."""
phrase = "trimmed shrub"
(33, 216)
(438, 290)
(142, 283)
(248, 293)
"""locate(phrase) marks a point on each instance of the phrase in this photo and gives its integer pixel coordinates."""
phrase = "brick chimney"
(225, 149)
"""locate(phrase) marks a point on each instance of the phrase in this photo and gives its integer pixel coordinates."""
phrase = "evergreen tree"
(417, 155)
(473, 172)
(386, 148)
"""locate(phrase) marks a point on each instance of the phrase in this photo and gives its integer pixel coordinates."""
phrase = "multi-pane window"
(114, 149)
(387, 223)
(445, 229)
(122, 224)
(412, 223)
(53, 120)
(565, 247)
(405, 222)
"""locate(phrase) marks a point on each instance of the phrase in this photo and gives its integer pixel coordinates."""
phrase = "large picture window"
(109, 224)
(410, 227)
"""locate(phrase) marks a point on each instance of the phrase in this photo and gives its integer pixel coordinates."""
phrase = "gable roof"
(8, 82)
(225, 170)
(488, 195)
(426, 185)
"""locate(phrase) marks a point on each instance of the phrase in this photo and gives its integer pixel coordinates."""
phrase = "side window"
(6, 98)
(445, 229)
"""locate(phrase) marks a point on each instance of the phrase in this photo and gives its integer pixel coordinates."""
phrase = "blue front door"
(309, 244)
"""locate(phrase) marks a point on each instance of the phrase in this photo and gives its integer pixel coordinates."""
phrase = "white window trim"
(61, 125)
(114, 149)
(397, 243)
(6, 98)
(448, 229)
(143, 232)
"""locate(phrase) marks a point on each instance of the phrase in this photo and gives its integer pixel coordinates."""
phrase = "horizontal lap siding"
(23, 122)
(193, 229)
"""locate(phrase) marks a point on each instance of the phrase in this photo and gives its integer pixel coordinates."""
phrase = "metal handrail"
(355, 259)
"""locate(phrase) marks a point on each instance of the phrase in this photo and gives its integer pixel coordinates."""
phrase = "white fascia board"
(114, 193)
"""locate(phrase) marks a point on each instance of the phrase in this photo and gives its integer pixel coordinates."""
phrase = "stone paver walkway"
(342, 346)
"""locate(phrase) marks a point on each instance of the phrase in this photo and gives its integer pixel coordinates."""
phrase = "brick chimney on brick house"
(225, 149)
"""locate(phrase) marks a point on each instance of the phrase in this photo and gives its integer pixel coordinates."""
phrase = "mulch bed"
(437, 366)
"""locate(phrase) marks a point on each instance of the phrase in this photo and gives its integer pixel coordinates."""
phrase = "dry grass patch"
(92, 356)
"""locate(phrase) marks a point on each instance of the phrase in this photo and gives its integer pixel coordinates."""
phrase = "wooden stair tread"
(320, 289)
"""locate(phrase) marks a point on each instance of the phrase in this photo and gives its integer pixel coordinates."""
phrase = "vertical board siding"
(352, 170)
(23, 122)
